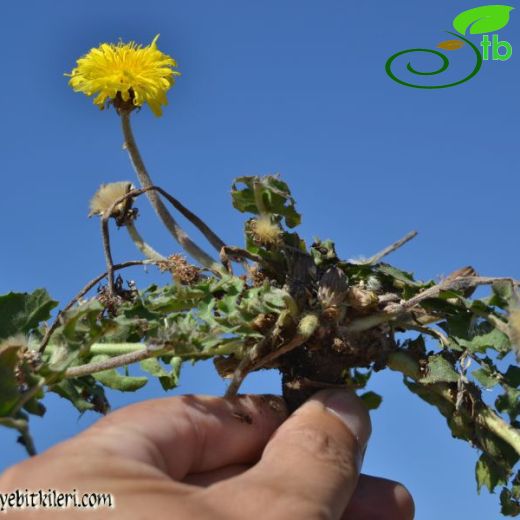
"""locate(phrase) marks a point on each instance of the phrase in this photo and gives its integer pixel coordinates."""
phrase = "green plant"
(320, 320)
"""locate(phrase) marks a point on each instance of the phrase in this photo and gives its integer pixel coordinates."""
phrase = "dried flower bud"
(106, 195)
(332, 287)
(263, 322)
(463, 272)
(258, 277)
(28, 360)
(338, 344)
(182, 271)
(226, 366)
(361, 299)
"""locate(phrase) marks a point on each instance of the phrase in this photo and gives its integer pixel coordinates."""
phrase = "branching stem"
(391, 248)
(394, 311)
(80, 295)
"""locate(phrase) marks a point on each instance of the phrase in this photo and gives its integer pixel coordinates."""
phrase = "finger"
(376, 497)
(312, 463)
(189, 434)
(207, 478)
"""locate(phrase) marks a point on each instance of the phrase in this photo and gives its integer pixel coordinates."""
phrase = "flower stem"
(108, 253)
(144, 178)
(147, 250)
(259, 199)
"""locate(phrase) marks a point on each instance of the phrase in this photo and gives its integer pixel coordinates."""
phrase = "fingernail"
(346, 405)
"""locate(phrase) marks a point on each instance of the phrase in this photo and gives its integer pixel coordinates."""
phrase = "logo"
(480, 20)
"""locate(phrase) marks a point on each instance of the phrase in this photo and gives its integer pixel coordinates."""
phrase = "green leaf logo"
(484, 19)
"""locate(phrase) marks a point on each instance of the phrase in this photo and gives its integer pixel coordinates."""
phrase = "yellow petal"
(111, 68)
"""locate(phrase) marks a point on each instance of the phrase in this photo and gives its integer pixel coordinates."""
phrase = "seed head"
(106, 195)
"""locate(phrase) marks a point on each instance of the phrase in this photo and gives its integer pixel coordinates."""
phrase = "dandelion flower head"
(127, 75)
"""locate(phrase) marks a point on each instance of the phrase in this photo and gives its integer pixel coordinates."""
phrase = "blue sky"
(295, 87)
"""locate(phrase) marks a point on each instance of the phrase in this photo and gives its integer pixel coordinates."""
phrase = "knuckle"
(324, 447)
(283, 501)
(308, 509)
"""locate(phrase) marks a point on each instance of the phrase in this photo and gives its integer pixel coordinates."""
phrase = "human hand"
(212, 458)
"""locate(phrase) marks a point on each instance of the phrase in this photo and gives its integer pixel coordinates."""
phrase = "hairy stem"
(107, 251)
(147, 250)
(144, 178)
(259, 199)
(107, 349)
(128, 353)
(107, 364)
(500, 428)
(391, 248)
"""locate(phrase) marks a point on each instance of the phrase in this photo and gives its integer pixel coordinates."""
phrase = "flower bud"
(308, 325)
(332, 287)
(361, 299)
(264, 231)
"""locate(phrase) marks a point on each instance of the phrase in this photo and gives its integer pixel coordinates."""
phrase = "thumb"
(313, 461)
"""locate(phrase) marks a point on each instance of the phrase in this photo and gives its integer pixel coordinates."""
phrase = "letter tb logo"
(495, 48)
(482, 20)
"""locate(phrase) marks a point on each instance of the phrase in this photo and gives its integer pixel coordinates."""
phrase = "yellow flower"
(125, 74)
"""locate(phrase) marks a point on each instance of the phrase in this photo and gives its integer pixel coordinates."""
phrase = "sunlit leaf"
(21, 312)
(440, 370)
(273, 193)
(113, 379)
(485, 377)
(489, 474)
(168, 379)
